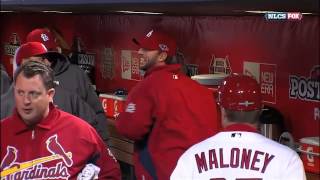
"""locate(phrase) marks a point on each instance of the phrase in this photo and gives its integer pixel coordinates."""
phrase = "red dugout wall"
(282, 55)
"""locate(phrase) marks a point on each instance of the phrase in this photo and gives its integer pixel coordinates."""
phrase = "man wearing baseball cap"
(65, 100)
(37, 140)
(69, 76)
(239, 151)
(165, 113)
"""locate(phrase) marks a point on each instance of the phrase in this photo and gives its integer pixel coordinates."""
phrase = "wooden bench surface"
(121, 147)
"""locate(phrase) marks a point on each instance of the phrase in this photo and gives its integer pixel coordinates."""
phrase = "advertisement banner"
(131, 63)
(265, 74)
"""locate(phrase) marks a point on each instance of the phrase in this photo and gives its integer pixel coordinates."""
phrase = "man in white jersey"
(239, 152)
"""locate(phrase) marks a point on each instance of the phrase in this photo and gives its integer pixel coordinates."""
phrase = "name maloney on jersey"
(239, 158)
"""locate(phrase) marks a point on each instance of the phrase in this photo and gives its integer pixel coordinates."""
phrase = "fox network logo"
(283, 16)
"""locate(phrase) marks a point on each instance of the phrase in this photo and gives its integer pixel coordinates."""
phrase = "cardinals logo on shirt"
(10, 157)
(35, 168)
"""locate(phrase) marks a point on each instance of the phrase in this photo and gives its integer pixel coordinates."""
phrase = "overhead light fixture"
(6, 11)
(264, 12)
(139, 12)
(62, 12)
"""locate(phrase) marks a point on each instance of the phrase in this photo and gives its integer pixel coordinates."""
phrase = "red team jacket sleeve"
(109, 167)
(136, 120)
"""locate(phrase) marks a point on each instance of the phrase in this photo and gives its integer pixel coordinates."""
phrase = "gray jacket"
(5, 82)
(73, 79)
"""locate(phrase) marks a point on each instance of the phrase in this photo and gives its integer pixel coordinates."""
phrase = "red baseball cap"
(30, 49)
(156, 40)
(44, 36)
(240, 93)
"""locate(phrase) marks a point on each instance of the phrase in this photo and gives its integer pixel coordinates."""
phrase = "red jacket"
(165, 114)
(58, 147)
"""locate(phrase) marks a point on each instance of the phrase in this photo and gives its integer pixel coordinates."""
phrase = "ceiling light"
(264, 12)
(63, 12)
(139, 12)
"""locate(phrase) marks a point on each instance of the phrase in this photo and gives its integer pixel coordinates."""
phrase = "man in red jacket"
(165, 113)
(40, 141)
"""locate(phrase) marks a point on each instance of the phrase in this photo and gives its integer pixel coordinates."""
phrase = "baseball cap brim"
(142, 43)
(156, 40)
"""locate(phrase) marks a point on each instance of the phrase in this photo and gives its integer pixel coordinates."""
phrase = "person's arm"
(104, 159)
(92, 99)
(294, 169)
(7, 103)
(74, 104)
(137, 119)
(182, 170)
(83, 110)
(88, 93)
(5, 82)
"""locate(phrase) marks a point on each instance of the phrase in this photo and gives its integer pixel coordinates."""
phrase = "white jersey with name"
(238, 155)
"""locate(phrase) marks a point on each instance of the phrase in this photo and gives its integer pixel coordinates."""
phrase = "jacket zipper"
(32, 134)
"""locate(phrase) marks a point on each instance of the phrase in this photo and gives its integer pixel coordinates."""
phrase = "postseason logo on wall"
(11, 47)
(85, 60)
(265, 74)
(107, 64)
(306, 88)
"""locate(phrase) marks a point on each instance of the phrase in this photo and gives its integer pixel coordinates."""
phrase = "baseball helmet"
(30, 49)
(45, 36)
(239, 93)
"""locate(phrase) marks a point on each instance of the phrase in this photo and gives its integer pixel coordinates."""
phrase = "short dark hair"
(251, 117)
(32, 68)
(175, 59)
(271, 115)
(171, 60)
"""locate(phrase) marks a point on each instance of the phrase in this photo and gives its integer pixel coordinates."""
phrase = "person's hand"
(89, 172)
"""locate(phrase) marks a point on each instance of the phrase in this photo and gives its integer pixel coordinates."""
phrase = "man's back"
(239, 155)
(179, 110)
